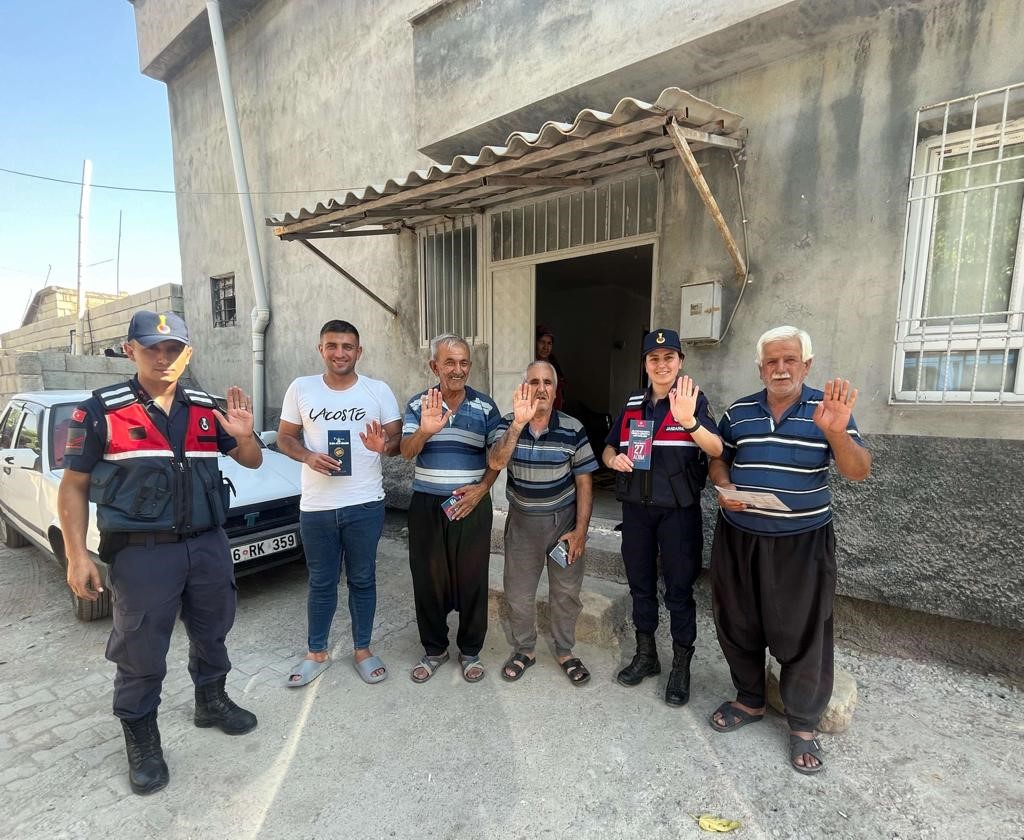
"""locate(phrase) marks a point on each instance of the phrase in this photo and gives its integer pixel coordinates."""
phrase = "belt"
(144, 537)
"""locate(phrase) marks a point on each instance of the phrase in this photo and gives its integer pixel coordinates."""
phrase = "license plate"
(262, 548)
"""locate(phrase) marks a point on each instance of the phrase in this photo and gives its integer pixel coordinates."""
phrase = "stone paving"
(933, 752)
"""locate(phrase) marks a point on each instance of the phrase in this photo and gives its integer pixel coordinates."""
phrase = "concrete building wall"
(106, 324)
(338, 96)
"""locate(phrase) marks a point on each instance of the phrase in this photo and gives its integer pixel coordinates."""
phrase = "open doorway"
(598, 309)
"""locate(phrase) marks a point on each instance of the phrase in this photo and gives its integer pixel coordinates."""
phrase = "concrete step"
(605, 616)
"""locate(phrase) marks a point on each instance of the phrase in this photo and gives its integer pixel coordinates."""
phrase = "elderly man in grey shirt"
(550, 496)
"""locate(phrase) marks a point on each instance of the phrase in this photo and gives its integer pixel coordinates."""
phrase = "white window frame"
(912, 335)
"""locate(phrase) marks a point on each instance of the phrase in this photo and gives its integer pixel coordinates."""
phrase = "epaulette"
(115, 396)
(198, 398)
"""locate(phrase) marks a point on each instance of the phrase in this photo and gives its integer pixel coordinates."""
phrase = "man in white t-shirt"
(339, 424)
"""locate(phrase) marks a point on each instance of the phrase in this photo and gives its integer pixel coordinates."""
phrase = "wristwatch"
(693, 428)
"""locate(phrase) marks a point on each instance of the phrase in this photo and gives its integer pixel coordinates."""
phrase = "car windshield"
(60, 422)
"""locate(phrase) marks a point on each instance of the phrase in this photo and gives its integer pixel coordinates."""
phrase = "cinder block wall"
(54, 371)
(105, 325)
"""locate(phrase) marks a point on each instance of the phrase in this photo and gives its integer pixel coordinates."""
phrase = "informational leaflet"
(764, 501)
(339, 447)
(641, 437)
(560, 553)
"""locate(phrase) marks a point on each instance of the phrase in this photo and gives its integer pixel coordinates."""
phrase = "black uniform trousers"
(676, 534)
(449, 563)
(777, 592)
(150, 583)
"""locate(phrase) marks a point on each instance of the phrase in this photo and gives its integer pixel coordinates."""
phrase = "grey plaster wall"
(825, 181)
(324, 99)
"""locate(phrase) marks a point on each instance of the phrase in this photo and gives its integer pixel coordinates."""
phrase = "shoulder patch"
(198, 398)
(115, 396)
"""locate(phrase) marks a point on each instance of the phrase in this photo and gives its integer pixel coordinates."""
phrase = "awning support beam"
(679, 139)
(338, 234)
(346, 275)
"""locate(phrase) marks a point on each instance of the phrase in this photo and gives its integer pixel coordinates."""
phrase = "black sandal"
(576, 671)
(517, 663)
(803, 747)
(734, 718)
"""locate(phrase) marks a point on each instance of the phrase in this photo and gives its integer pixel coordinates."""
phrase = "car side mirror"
(269, 438)
(21, 459)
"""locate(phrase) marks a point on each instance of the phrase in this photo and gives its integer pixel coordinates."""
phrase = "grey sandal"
(734, 718)
(428, 664)
(470, 663)
(368, 666)
(306, 671)
(802, 747)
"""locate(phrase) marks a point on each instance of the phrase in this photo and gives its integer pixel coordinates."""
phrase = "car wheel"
(11, 537)
(91, 610)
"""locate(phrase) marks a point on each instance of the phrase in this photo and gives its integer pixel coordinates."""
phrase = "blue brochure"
(339, 447)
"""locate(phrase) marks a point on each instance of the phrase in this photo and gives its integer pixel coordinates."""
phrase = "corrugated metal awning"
(559, 156)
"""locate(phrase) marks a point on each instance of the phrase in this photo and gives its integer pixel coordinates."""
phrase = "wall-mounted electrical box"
(700, 317)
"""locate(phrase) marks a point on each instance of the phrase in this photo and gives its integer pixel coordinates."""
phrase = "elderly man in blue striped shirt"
(447, 430)
(551, 497)
(773, 571)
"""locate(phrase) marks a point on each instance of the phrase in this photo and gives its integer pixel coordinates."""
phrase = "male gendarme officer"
(659, 446)
(145, 452)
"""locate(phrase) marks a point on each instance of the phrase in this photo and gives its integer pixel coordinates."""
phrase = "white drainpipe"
(261, 312)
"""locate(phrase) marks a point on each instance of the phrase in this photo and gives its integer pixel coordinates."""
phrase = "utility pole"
(117, 265)
(83, 237)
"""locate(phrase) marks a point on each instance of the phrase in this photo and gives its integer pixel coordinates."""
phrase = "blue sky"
(72, 90)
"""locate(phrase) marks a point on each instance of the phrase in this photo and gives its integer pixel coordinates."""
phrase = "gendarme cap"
(149, 328)
(661, 340)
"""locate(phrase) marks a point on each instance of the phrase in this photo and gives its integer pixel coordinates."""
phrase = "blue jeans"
(329, 536)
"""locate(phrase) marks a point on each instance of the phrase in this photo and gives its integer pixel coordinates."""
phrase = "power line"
(171, 192)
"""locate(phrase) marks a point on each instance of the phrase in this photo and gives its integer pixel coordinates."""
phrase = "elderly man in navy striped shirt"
(447, 430)
(773, 571)
(551, 497)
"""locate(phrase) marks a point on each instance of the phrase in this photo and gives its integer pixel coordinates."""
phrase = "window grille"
(603, 213)
(448, 279)
(222, 288)
(960, 328)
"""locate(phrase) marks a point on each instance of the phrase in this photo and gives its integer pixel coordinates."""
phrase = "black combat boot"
(677, 692)
(645, 661)
(215, 708)
(147, 771)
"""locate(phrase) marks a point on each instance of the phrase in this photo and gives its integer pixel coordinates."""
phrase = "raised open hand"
(374, 438)
(433, 414)
(238, 420)
(524, 403)
(682, 401)
(835, 409)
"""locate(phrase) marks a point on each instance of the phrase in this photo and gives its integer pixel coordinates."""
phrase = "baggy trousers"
(528, 538)
(777, 592)
(677, 536)
(150, 584)
(449, 563)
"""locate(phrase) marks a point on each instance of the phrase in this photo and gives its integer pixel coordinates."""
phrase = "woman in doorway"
(544, 352)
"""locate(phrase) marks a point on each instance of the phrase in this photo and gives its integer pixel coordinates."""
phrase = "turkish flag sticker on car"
(78, 415)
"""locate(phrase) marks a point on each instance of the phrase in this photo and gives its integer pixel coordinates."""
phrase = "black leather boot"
(147, 770)
(645, 662)
(677, 692)
(215, 708)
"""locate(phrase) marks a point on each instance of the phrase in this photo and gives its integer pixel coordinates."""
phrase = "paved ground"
(933, 752)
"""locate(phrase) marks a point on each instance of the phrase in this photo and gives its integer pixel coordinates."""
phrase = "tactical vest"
(140, 485)
(679, 468)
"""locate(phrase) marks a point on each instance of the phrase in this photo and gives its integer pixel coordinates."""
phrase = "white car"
(263, 520)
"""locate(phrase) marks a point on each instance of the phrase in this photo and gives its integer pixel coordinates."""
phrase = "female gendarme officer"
(659, 446)
(146, 452)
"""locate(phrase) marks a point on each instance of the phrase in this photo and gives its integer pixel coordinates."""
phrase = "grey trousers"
(528, 538)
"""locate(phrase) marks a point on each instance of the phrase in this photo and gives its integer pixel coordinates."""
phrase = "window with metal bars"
(960, 330)
(448, 279)
(222, 288)
(602, 213)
